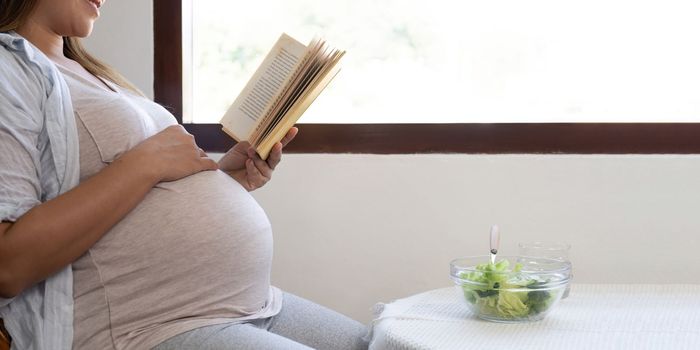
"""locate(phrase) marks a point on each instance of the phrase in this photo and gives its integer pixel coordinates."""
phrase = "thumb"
(208, 164)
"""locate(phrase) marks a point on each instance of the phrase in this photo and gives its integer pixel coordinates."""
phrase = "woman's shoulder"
(24, 65)
(27, 77)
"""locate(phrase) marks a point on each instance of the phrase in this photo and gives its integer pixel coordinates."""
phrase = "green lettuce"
(502, 293)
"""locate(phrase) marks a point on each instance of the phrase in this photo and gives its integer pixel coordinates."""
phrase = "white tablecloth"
(592, 317)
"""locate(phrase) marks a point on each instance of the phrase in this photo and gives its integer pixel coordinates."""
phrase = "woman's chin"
(82, 31)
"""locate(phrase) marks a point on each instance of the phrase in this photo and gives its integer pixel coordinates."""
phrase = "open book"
(282, 88)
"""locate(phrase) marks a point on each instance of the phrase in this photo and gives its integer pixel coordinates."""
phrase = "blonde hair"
(13, 13)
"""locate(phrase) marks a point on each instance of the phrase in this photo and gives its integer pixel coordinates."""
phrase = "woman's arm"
(55, 233)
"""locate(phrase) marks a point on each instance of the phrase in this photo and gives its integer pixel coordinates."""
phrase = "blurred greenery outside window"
(448, 61)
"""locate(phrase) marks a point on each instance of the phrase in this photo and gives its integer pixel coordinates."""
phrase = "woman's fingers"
(208, 163)
(205, 162)
(255, 178)
(259, 171)
(276, 153)
(263, 167)
(275, 156)
(291, 134)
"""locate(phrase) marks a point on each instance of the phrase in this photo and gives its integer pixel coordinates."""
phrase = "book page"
(309, 60)
(263, 88)
(295, 113)
(319, 73)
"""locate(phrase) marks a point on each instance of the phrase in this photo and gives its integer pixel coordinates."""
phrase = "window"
(505, 79)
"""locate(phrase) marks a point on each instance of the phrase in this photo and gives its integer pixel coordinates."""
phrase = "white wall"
(352, 230)
(123, 37)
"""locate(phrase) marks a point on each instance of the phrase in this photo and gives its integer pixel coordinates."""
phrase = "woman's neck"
(50, 43)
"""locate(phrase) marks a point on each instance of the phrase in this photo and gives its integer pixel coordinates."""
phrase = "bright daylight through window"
(450, 61)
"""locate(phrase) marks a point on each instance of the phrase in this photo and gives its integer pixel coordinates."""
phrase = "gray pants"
(301, 324)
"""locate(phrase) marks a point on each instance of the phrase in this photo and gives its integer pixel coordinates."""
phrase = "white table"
(592, 317)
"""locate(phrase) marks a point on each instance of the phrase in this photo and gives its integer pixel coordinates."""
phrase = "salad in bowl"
(512, 289)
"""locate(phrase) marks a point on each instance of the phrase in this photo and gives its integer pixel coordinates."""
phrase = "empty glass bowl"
(513, 289)
(552, 250)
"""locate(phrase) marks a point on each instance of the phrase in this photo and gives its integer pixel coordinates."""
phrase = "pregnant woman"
(116, 230)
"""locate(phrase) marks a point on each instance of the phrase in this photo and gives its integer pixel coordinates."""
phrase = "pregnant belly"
(197, 247)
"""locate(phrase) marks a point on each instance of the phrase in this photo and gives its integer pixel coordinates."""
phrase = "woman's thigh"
(317, 326)
(243, 336)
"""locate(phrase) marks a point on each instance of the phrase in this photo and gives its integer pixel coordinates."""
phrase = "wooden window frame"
(496, 138)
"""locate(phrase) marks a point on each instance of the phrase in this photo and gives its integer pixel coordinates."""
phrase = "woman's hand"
(171, 155)
(245, 166)
(55, 233)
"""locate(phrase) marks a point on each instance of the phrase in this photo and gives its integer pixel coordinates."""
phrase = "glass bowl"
(514, 289)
